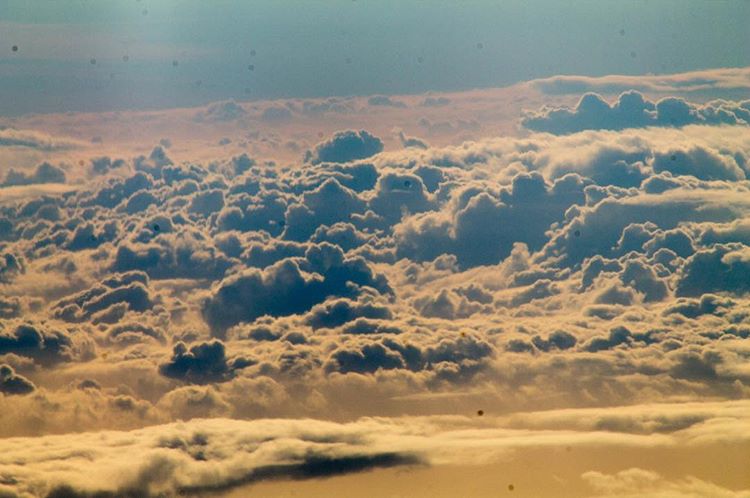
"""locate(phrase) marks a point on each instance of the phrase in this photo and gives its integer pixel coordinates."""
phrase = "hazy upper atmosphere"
(374, 248)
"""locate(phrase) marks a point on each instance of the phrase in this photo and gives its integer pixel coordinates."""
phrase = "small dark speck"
(480, 412)
(348, 60)
(251, 67)
(673, 157)
(407, 183)
(633, 55)
(93, 61)
(125, 58)
(511, 487)
(145, 12)
(420, 59)
(281, 223)
(14, 48)
(577, 233)
(81, 163)
(480, 46)
(175, 63)
(568, 448)
(252, 53)
(156, 228)
(93, 238)
(622, 32)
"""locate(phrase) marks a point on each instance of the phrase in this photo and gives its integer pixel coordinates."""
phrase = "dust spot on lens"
(407, 183)
(251, 67)
(14, 48)
(93, 61)
(511, 487)
(673, 157)
(252, 53)
(157, 227)
(577, 233)
(480, 46)
(633, 54)
(125, 58)
(480, 412)
(420, 59)
(175, 63)
(348, 60)
(145, 12)
(622, 32)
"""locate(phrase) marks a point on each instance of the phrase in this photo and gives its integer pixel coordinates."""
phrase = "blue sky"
(71, 52)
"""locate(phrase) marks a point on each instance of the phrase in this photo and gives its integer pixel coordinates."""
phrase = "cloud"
(536, 272)
(345, 146)
(228, 110)
(637, 482)
(11, 137)
(12, 383)
(632, 110)
(43, 345)
(290, 286)
(276, 114)
(201, 363)
(204, 455)
(711, 81)
(481, 227)
(384, 100)
(44, 173)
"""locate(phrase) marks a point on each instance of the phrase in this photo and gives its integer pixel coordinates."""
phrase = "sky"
(326, 48)
(424, 249)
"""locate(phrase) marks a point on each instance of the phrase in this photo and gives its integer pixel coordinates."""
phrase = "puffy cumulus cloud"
(172, 255)
(599, 229)
(480, 226)
(201, 363)
(292, 285)
(345, 146)
(719, 268)
(228, 110)
(10, 267)
(44, 173)
(209, 455)
(12, 383)
(340, 311)
(109, 300)
(330, 203)
(455, 359)
(42, 344)
(700, 163)
(632, 110)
